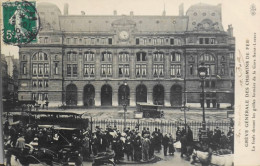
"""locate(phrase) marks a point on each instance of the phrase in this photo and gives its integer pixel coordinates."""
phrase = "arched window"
(207, 58)
(210, 63)
(158, 56)
(89, 56)
(41, 56)
(123, 57)
(106, 56)
(24, 57)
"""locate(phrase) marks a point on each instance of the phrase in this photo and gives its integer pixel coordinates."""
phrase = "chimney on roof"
(230, 30)
(66, 9)
(83, 13)
(131, 13)
(164, 12)
(181, 10)
(115, 12)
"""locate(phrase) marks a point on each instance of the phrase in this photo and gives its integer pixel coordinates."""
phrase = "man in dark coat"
(165, 143)
(178, 134)
(145, 147)
(183, 145)
(189, 136)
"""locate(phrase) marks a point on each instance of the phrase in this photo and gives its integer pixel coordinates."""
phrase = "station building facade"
(109, 60)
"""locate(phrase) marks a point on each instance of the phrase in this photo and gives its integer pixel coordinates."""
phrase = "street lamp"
(184, 109)
(125, 104)
(202, 70)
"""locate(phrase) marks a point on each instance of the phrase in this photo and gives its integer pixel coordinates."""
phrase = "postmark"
(21, 22)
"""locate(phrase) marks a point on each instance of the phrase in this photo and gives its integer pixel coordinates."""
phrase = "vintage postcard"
(119, 82)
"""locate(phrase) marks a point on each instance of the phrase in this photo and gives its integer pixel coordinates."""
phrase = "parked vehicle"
(150, 110)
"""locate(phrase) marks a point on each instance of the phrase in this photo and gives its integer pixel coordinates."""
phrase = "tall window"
(106, 70)
(191, 69)
(46, 69)
(123, 70)
(89, 56)
(34, 83)
(175, 70)
(175, 57)
(24, 68)
(89, 70)
(222, 69)
(33, 96)
(40, 83)
(140, 70)
(69, 70)
(140, 56)
(46, 83)
(210, 64)
(75, 70)
(158, 56)
(34, 68)
(40, 69)
(106, 56)
(56, 69)
(210, 69)
(172, 41)
(72, 56)
(123, 57)
(137, 42)
(158, 70)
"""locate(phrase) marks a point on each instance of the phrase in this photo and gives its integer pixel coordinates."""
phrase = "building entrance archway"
(176, 96)
(123, 94)
(106, 95)
(89, 95)
(158, 94)
(141, 93)
(71, 94)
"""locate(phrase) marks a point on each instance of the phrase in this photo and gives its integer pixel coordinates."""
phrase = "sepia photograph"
(126, 83)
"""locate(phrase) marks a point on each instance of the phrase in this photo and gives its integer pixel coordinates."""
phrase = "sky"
(230, 11)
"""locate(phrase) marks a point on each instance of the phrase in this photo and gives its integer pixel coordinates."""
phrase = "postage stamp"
(21, 22)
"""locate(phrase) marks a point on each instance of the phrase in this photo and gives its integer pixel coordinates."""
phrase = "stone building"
(107, 60)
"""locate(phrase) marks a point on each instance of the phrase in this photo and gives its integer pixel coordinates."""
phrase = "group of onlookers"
(136, 145)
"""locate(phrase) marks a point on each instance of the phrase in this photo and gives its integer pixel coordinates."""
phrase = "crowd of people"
(137, 145)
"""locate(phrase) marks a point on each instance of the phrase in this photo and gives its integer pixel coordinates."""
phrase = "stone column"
(149, 95)
(97, 66)
(167, 98)
(149, 64)
(115, 64)
(132, 98)
(80, 65)
(132, 64)
(80, 98)
(115, 98)
(97, 98)
(167, 65)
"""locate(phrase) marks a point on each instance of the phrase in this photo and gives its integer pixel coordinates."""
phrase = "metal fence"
(165, 127)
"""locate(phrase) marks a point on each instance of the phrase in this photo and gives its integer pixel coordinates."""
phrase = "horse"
(206, 158)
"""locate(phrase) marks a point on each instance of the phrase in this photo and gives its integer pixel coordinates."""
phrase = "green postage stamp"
(21, 22)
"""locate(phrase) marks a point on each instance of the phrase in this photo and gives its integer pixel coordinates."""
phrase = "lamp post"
(184, 109)
(202, 71)
(125, 104)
